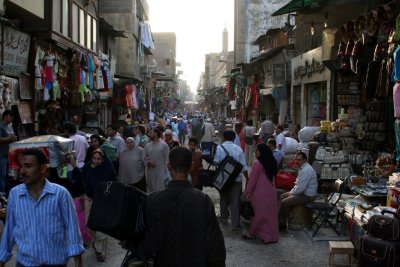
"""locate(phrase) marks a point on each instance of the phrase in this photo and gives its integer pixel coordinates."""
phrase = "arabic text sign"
(16, 51)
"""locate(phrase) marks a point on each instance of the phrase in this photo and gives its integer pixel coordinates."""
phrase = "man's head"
(142, 129)
(193, 143)
(271, 143)
(180, 162)
(134, 130)
(8, 116)
(229, 135)
(155, 134)
(300, 158)
(96, 141)
(69, 128)
(238, 127)
(278, 129)
(168, 126)
(168, 135)
(33, 166)
(250, 122)
(111, 130)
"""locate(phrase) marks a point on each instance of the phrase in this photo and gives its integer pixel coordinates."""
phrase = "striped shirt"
(306, 181)
(235, 151)
(45, 231)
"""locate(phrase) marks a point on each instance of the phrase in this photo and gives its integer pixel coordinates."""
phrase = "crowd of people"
(163, 160)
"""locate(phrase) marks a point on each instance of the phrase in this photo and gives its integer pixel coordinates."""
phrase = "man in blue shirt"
(231, 198)
(41, 219)
(278, 155)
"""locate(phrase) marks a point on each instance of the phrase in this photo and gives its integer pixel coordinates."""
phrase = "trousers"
(286, 201)
(249, 154)
(231, 200)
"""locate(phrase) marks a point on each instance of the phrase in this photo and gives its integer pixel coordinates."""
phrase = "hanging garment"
(248, 97)
(50, 67)
(91, 69)
(134, 97)
(38, 77)
(255, 95)
(396, 99)
(128, 96)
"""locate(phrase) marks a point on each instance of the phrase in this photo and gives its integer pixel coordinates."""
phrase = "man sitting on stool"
(304, 191)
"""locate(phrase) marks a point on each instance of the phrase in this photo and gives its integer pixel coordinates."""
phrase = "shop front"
(311, 88)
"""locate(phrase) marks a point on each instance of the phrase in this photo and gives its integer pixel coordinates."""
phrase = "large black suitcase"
(118, 211)
(385, 227)
(375, 252)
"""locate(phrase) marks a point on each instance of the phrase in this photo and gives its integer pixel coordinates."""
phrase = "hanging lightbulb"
(326, 20)
(312, 28)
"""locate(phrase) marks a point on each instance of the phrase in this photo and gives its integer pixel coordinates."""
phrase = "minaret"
(225, 40)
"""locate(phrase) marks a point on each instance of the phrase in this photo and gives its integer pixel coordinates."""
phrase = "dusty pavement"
(294, 249)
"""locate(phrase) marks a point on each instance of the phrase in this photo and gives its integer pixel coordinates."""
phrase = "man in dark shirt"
(182, 229)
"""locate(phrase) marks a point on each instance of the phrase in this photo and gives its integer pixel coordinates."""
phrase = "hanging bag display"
(118, 211)
(228, 170)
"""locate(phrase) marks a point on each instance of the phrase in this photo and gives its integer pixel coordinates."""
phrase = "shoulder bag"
(227, 172)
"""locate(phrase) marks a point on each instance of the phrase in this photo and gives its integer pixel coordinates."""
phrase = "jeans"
(44, 265)
(3, 172)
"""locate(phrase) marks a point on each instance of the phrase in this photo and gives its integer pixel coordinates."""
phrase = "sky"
(198, 25)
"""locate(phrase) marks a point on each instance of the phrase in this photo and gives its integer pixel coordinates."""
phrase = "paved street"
(294, 249)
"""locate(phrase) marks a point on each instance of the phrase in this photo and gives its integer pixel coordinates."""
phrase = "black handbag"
(384, 227)
(205, 177)
(246, 210)
(227, 172)
(118, 211)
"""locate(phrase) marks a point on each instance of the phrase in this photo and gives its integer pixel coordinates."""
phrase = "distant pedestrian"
(117, 142)
(280, 138)
(131, 166)
(197, 162)
(208, 131)
(80, 146)
(144, 139)
(278, 155)
(41, 219)
(156, 160)
(7, 136)
(249, 132)
(267, 129)
(182, 131)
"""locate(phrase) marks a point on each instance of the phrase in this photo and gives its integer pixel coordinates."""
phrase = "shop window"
(89, 32)
(57, 15)
(81, 26)
(75, 23)
(94, 35)
(65, 17)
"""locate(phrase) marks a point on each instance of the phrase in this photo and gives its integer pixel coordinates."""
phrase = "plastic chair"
(324, 209)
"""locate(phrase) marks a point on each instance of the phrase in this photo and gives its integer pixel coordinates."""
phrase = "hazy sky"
(198, 25)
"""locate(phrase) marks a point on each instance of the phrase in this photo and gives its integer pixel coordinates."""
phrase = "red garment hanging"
(255, 94)
(128, 96)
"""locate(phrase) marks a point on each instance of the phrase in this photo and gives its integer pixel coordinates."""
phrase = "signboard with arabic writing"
(16, 51)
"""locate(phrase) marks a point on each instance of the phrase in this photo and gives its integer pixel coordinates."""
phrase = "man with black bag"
(181, 226)
(231, 196)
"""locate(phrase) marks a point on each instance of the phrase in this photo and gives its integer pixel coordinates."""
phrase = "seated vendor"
(304, 191)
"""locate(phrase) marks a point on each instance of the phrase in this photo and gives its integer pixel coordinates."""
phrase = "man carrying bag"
(230, 197)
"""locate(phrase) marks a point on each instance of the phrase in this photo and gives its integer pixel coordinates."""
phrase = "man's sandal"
(100, 257)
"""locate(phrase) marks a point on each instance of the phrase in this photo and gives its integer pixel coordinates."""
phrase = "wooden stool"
(340, 247)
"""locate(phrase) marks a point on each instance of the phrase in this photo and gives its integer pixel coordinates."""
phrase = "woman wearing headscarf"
(95, 142)
(261, 192)
(131, 165)
(99, 169)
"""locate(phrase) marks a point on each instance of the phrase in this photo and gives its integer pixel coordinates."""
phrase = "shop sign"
(16, 51)
(309, 69)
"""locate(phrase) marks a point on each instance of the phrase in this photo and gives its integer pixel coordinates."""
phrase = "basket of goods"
(56, 148)
(384, 165)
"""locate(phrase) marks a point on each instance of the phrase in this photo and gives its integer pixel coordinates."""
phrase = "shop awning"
(294, 6)
(109, 28)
